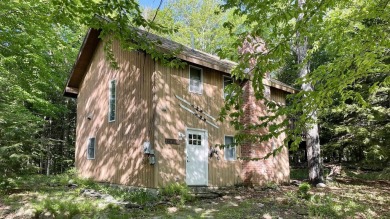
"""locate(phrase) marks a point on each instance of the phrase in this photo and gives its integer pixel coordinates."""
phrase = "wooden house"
(148, 125)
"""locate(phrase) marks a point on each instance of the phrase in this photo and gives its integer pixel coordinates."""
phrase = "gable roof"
(92, 39)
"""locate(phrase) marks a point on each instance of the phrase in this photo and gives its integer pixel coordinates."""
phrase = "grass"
(51, 195)
(299, 174)
(373, 175)
(329, 206)
(343, 198)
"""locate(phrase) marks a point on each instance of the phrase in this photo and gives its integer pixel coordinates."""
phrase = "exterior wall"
(147, 109)
(278, 96)
(119, 158)
(172, 119)
(272, 169)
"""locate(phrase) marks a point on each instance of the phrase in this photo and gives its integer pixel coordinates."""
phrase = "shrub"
(303, 191)
(176, 192)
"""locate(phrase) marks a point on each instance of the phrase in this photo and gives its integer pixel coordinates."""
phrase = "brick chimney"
(261, 171)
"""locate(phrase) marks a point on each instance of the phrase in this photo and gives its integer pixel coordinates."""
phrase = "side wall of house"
(119, 157)
(172, 119)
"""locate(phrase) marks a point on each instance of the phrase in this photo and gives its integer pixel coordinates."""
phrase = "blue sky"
(150, 3)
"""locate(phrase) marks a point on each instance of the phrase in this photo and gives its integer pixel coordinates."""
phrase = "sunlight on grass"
(378, 175)
(52, 196)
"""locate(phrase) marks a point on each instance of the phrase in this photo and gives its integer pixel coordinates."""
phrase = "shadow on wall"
(119, 157)
(145, 98)
(272, 169)
(173, 119)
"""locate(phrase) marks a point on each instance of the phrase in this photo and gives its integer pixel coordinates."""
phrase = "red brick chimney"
(261, 171)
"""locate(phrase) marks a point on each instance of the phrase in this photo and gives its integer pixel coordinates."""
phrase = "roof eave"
(82, 62)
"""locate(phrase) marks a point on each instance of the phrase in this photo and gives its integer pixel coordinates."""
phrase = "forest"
(336, 53)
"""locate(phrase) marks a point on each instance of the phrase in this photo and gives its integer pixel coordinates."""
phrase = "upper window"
(196, 80)
(230, 148)
(112, 101)
(91, 148)
(226, 81)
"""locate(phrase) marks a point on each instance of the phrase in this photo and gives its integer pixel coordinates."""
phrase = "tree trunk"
(312, 135)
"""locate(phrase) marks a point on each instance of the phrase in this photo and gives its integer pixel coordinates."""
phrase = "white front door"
(197, 158)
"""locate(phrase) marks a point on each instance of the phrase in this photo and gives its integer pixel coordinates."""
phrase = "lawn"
(52, 197)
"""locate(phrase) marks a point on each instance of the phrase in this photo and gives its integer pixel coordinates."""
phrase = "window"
(91, 149)
(194, 139)
(230, 149)
(196, 79)
(226, 81)
(112, 101)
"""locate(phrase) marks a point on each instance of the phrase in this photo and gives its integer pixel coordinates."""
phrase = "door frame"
(206, 145)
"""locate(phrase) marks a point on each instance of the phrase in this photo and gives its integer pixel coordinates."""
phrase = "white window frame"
(225, 149)
(109, 101)
(94, 148)
(201, 80)
(223, 84)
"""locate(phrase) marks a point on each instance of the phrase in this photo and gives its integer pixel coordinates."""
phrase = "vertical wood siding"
(119, 158)
(172, 119)
(278, 96)
(147, 109)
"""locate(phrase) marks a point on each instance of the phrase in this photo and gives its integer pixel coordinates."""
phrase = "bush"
(303, 191)
(176, 192)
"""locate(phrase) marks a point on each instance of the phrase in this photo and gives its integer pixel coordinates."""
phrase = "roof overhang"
(91, 41)
(82, 62)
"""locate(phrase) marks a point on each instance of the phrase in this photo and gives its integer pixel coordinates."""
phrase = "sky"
(150, 3)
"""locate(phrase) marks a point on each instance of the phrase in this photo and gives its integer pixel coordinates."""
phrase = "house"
(149, 125)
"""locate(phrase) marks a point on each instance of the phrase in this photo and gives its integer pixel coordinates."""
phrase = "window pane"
(195, 74)
(91, 149)
(228, 140)
(195, 85)
(195, 79)
(230, 149)
(112, 101)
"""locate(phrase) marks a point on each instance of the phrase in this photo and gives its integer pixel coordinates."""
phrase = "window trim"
(109, 101)
(94, 148)
(224, 149)
(223, 84)
(189, 79)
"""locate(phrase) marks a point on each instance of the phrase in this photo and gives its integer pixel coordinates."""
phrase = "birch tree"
(311, 130)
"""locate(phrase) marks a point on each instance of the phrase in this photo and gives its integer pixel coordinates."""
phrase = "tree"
(313, 151)
(35, 58)
(354, 31)
(200, 24)
(359, 134)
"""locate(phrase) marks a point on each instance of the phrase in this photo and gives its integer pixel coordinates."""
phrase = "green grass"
(331, 206)
(50, 195)
(299, 174)
(377, 175)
